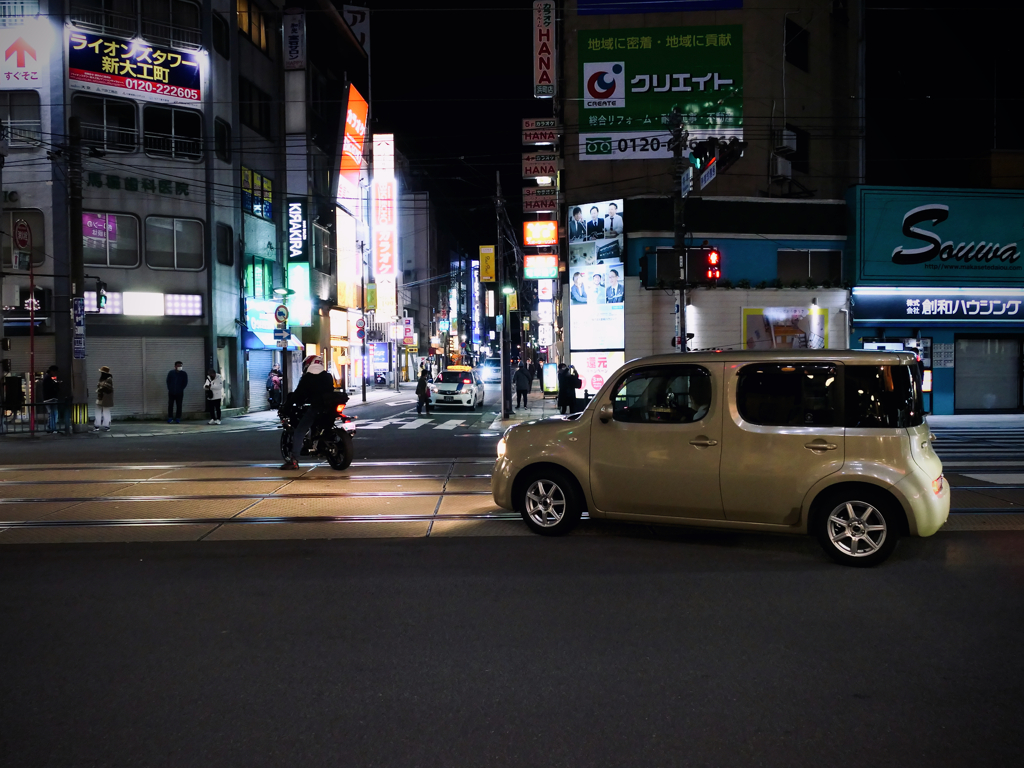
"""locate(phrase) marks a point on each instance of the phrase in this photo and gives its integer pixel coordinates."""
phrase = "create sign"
(540, 233)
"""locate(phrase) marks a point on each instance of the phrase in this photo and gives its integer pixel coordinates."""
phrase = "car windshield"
(454, 377)
(883, 396)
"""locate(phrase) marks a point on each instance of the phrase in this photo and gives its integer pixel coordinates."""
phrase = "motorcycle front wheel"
(340, 452)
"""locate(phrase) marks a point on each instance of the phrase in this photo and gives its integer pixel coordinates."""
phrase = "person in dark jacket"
(506, 393)
(177, 380)
(568, 382)
(313, 390)
(523, 381)
(423, 392)
(538, 373)
(51, 396)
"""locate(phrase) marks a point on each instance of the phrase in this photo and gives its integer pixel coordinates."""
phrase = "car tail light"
(467, 381)
(937, 485)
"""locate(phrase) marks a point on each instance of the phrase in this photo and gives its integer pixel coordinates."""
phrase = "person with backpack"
(423, 392)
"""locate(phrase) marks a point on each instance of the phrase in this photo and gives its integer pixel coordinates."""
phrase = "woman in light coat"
(104, 400)
(214, 394)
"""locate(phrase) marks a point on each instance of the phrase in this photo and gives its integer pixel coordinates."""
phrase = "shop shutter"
(19, 354)
(160, 357)
(259, 366)
(124, 358)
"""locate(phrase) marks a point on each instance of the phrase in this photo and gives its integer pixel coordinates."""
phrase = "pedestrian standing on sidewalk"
(506, 393)
(177, 380)
(423, 392)
(566, 395)
(523, 383)
(538, 373)
(51, 396)
(214, 394)
(104, 400)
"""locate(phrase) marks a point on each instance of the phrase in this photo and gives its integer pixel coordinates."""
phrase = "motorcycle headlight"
(502, 447)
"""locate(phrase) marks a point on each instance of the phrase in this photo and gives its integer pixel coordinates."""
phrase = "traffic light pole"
(679, 137)
(76, 262)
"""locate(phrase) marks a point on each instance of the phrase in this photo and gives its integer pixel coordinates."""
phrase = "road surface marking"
(450, 424)
(416, 423)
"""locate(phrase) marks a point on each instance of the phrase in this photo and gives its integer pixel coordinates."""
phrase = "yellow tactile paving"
(342, 507)
(33, 511)
(452, 528)
(469, 484)
(150, 510)
(342, 485)
(227, 488)
(68, 491)
(318, 531)
(84, 535)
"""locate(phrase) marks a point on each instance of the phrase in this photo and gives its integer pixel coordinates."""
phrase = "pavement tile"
(461, 484)
(89, 473)
(356, 485)
(980, 521)
(106, 533)
(225, 473)
(470, 505)
(186, 488)
(453, 528)
(150, 510)
(33, 510)
(987, 499)
(71, 490)
(357, 530)
(384, 470)
(328, 507)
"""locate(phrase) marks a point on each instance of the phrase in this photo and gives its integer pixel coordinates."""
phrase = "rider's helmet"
(313, 360)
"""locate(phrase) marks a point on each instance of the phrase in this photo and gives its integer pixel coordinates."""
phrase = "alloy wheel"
(545, 503)
(857, 528)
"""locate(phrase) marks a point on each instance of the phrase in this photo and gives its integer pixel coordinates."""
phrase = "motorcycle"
(329, 438)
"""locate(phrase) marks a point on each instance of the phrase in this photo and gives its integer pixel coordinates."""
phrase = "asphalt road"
(700, 649)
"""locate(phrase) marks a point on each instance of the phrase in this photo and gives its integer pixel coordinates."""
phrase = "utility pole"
(499, 255)
(679, 138)
(77, 263)
(3, 156)
(362, 305)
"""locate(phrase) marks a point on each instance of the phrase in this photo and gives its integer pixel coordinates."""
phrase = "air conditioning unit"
(786, 144)
(781, 168)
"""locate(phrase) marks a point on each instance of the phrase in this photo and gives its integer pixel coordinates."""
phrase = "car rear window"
(789, 394)
(880, 396)
(453, 377)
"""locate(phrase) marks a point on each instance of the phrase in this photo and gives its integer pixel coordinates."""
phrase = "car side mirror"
(606, 412)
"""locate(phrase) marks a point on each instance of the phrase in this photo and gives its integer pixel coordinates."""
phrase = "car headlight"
(501, 448)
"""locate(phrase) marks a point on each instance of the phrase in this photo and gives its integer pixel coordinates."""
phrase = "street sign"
(360, 333)
(78, 347)
(687, 181)
(709, 174)
(78, 315)
(281, 313)
(22, 235)
(360, 323)
(281, 334)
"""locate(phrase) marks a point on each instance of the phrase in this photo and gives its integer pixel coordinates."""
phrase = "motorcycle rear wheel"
(340, 452)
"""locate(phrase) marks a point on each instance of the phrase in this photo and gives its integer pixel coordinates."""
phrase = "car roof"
(851, 356)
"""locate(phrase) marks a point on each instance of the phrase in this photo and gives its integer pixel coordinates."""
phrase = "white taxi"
(458, 385)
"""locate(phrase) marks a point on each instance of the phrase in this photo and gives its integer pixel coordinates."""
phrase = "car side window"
(789, 395)
(671, 394)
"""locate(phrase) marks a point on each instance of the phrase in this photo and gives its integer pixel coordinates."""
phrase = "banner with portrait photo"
(785, 328)
(597, 318)
(595, 233)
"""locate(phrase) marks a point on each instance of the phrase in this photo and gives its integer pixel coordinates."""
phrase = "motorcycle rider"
(315, 386)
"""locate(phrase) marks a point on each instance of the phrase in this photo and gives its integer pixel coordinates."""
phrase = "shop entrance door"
(987, 374)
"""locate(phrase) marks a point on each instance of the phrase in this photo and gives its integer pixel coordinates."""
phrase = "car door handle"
(821, 446)
(703, 442)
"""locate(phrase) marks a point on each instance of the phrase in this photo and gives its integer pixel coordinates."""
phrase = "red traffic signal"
(714, 265)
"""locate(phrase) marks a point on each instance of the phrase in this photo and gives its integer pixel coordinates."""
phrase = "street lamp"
(508, 290)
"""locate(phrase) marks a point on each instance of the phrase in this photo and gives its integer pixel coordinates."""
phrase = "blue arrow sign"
(281, 334)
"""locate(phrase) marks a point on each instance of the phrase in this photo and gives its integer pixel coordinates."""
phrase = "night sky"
(452, 80)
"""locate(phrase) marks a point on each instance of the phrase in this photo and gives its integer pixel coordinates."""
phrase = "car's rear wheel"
(858, 527)
(549, 502)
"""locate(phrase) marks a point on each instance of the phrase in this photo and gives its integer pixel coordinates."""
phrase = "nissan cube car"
(458, 385)
(831, 443)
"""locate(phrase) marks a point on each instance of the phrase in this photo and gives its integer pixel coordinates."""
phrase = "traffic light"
(729, 152)
(714, 260)
(101, 295)
(704, 153)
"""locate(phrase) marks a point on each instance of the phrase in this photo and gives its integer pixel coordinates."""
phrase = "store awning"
(265, 340)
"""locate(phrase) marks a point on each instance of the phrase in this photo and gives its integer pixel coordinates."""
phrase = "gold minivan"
(828, 442)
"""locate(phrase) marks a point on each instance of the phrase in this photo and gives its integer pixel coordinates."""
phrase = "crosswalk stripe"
(376, 424)
(416, 423)
(450, 424)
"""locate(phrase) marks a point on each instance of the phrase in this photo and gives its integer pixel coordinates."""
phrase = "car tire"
(857, 526)
(549, 502)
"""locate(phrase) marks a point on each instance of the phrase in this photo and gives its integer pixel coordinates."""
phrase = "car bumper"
(455, 400)
(928, 510)
(501, 483)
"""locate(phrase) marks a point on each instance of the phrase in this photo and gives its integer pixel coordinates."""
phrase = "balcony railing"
(104, 22)
(110, 138)
(24, 133)
(173, 146)
(172, 35)
(14, 12)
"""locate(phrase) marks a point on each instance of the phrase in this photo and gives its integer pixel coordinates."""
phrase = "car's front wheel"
(858, 527)
(549, 502)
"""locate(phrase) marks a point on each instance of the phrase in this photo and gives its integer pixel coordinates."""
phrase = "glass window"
(221, 36)
(789, 394)
(225, 245)
(176, 133)
(798, 49)
(674, 394)
(454, 377)
(883, 396)
(118, 17)
(110, 239)
(819, 266)
(321, 251)
(801, 158)
(222, 140)
(252, 24)
(35, 222)
(253, 107)
(108, 124)
(19, 115)
(174, 243)
(172, 22)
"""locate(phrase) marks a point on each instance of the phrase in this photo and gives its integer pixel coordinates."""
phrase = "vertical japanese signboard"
(475, 293)
(349, 194)
(543, 50)
(487, 271)
(293, 27)
(385, 223)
